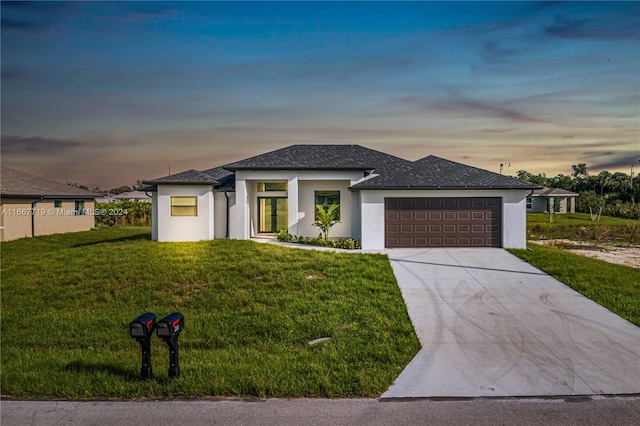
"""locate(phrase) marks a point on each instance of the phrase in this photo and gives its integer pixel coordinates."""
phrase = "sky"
(106, 93)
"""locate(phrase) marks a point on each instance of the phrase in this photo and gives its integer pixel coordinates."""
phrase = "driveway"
(490, 324)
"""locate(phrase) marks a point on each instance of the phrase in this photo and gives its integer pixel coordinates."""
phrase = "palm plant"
(326, 218)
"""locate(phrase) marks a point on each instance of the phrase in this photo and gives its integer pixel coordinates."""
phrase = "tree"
(326, 219)
(77, 185)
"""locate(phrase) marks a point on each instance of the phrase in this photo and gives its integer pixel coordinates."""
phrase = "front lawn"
(250, 310)
(615, 287)
(580, 227)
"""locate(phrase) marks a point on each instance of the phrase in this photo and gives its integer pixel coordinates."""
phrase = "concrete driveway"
(490, 324)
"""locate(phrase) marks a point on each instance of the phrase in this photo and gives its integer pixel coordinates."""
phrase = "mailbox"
(169, 329)
(141, 329)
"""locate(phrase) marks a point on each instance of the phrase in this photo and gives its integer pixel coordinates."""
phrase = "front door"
(272, 214)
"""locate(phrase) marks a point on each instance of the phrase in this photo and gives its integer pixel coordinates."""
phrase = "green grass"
(249, 308)
(615, 287)
(580, 227)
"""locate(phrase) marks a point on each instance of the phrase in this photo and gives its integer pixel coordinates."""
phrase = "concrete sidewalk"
(490, 324)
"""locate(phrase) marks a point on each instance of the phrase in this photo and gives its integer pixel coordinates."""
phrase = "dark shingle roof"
(550, 192)
(437, 173)
(316, 157)
(190, 177)
(226, 178)
(16, 183)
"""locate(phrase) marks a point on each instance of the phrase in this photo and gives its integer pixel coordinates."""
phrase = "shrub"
(349, 243)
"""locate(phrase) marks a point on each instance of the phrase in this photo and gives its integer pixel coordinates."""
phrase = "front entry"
(272, 214)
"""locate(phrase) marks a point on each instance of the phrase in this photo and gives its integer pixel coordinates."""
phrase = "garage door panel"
(443, 222)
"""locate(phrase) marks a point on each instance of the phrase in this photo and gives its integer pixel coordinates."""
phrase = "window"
(79, 210)
(57, 203)
(184, 206)
(272, 186)
(326, 199)
(529, 201)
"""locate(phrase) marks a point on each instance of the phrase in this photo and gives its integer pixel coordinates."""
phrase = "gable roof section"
(190, 177)
(437, 173)
(16, 183)
(317, 157)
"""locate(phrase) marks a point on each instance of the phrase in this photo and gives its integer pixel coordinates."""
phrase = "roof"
(315, 157)
(225, 177)
(384, 171)
(437, 173)
(131, 195)
(553, 192)
(16, 183)
(190, 177)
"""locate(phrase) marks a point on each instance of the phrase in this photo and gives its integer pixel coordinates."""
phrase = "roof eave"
(436, 188)
(50, 197)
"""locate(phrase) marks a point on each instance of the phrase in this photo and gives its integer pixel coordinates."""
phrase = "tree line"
(617, 194)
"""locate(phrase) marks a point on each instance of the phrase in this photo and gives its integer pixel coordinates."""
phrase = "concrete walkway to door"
(490, 324)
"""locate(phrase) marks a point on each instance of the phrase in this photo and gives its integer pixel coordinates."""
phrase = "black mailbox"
(141, 329)
(169, 329)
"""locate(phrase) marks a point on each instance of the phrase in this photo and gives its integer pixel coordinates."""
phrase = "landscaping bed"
(250, 312)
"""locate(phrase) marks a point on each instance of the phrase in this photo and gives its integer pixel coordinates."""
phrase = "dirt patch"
(620, 255)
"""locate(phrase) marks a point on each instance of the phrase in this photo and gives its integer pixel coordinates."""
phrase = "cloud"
(483, 108)
(30, 145)
(622, 161)
(31, 17)
(600, 26)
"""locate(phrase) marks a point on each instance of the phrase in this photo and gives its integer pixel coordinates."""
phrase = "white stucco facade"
(300, 195)
(184, 228)
(513, 213)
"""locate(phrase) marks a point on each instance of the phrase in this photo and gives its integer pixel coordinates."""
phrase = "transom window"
(326, 199)
(272, 186)
(184, 206)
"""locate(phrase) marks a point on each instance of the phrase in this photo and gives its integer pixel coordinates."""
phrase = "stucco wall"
(47, 218)
(306, 206)
(513, 213)
(185, 228)
(300, 189)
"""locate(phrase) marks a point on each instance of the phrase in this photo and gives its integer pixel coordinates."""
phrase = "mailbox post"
(168, 329)
(141, 329)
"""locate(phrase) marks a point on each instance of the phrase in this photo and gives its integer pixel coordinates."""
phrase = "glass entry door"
(272, 214)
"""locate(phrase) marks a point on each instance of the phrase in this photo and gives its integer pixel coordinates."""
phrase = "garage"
(443, 222)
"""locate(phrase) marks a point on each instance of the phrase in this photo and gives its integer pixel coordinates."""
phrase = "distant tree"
(77, 185)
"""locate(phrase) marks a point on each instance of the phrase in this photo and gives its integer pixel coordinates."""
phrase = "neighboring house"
(385, 201)
(545, 199)
(32, 205)
(125, 196)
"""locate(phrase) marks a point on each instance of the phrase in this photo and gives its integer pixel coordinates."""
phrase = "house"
(32, 205)
(385, 201)
(124, 196)
(544, 200)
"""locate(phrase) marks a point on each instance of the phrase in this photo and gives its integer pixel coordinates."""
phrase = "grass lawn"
(615, 287)
(580, 227)
(249, 308)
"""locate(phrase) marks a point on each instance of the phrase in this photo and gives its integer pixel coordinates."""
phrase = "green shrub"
(349, 243)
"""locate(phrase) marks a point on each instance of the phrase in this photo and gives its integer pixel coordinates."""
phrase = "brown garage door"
(443, 222)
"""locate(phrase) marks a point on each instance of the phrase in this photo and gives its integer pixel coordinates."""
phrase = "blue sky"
(106, 93)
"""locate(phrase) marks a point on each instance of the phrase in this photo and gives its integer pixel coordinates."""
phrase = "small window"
(184, 206)
(57, 204)
(529, 203)
(272, 186)
(326, 199)
(79, 210)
